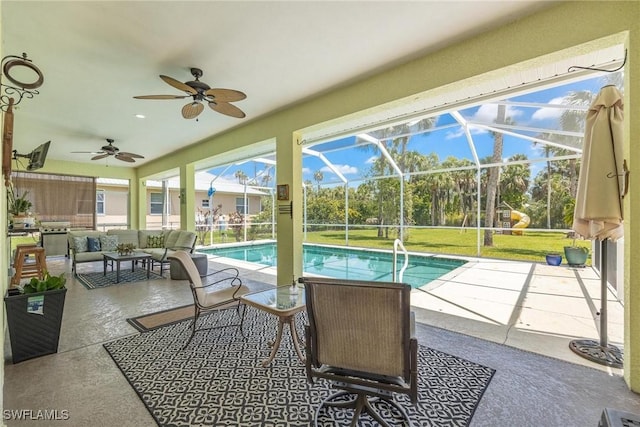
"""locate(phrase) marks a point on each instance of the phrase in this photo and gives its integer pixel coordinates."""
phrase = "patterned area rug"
(218, 381)
(99, 280)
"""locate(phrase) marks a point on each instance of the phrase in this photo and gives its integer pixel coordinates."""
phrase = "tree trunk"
(492, 185)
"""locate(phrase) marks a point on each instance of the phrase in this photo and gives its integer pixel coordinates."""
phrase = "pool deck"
(531, 306)
(527, 305)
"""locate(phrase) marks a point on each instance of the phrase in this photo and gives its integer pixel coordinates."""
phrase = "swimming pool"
(347, 263)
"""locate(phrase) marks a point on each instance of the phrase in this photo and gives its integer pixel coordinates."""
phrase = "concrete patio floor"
(531, 306)
(523, 305)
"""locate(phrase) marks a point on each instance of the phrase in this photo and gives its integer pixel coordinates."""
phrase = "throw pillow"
(155, 241)
(108, 243)
(80, 244)
(93, 244)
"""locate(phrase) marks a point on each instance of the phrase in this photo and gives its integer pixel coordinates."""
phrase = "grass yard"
(531, 246)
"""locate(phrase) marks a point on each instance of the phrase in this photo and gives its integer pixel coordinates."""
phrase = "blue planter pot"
(554, 259)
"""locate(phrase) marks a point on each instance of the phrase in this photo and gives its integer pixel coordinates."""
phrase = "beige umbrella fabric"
(601, 184)
(598, 213)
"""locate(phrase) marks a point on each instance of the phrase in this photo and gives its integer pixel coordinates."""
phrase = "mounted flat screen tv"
(38, 156)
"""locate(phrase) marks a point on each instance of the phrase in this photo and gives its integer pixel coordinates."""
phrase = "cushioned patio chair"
(360, 338)
(205, 297)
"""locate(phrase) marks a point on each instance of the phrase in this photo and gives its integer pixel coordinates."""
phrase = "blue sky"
(353, 163)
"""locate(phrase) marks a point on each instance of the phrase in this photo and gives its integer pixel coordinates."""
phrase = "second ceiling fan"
(218, 99)
(112, 150)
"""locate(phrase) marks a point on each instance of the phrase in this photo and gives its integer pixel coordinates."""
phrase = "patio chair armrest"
(233, 277)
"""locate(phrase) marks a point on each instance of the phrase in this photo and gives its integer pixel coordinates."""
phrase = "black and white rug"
(218, 381)
(96, 280)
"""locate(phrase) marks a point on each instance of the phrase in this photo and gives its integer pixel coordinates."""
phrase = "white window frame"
(101, 194)
(155, 204)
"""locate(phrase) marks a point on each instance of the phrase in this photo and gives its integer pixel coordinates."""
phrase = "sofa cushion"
(171, 238)
(158, 254)
(125, 236)
(109, 243)
(80, 244)
(93, 244)
(89, 256)
(185, 240)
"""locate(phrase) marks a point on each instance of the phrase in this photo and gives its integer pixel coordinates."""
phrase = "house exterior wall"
(116, 206)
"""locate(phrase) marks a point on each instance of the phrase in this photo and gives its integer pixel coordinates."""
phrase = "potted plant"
(34, 316)
(554, 259)
(19, 208)
(576, 255)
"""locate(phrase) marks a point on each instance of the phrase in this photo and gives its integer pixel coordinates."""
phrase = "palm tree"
(395, 139)
(494, 176)
(241, 176)
(318, 176)
(514, 182)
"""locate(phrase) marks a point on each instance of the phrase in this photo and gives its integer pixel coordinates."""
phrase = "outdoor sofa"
(90, 245)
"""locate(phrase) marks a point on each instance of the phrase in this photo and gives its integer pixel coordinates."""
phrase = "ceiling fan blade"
(87, 152)
(178, 84)
(161, 96)
(119, 156)
(225, 95)
(192, 110)
(101, 156)
(228, 109)
(136, 156)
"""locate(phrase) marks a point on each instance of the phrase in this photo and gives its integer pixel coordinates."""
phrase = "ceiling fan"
(112, 150)
(218, 99)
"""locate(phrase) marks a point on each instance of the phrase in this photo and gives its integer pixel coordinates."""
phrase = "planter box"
(32, 334)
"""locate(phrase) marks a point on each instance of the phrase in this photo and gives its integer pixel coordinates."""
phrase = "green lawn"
(531, 246)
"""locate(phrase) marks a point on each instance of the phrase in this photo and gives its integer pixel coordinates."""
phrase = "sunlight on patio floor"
(532, 306)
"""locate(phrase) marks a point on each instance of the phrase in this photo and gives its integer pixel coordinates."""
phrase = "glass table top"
(281, 300)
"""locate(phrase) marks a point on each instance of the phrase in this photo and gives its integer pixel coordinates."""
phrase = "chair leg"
(361, 403)
(241, 326)
(196, 316)
(194, 325)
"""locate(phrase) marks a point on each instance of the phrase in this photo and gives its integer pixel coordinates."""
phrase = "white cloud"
(344, 169)
(487, 113)
(460, 132)
(549, 113)
(371, 160)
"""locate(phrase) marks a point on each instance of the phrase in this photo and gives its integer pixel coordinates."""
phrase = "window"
(205, 203)
(240, 207)
(100, 210)
(156, 203)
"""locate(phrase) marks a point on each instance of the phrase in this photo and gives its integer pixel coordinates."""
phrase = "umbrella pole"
(600, 352)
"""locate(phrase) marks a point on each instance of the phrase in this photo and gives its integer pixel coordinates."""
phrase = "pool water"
(347, 263)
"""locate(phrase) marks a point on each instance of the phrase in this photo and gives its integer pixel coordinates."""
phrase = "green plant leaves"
(48, 283)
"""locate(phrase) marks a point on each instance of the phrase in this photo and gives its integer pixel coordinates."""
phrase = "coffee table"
(133, 257)
(283, 303)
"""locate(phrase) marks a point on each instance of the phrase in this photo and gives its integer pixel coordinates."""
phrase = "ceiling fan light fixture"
(218, 99)
(112, 150)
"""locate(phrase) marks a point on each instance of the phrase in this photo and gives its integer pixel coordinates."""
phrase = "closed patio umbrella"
(598, 211)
